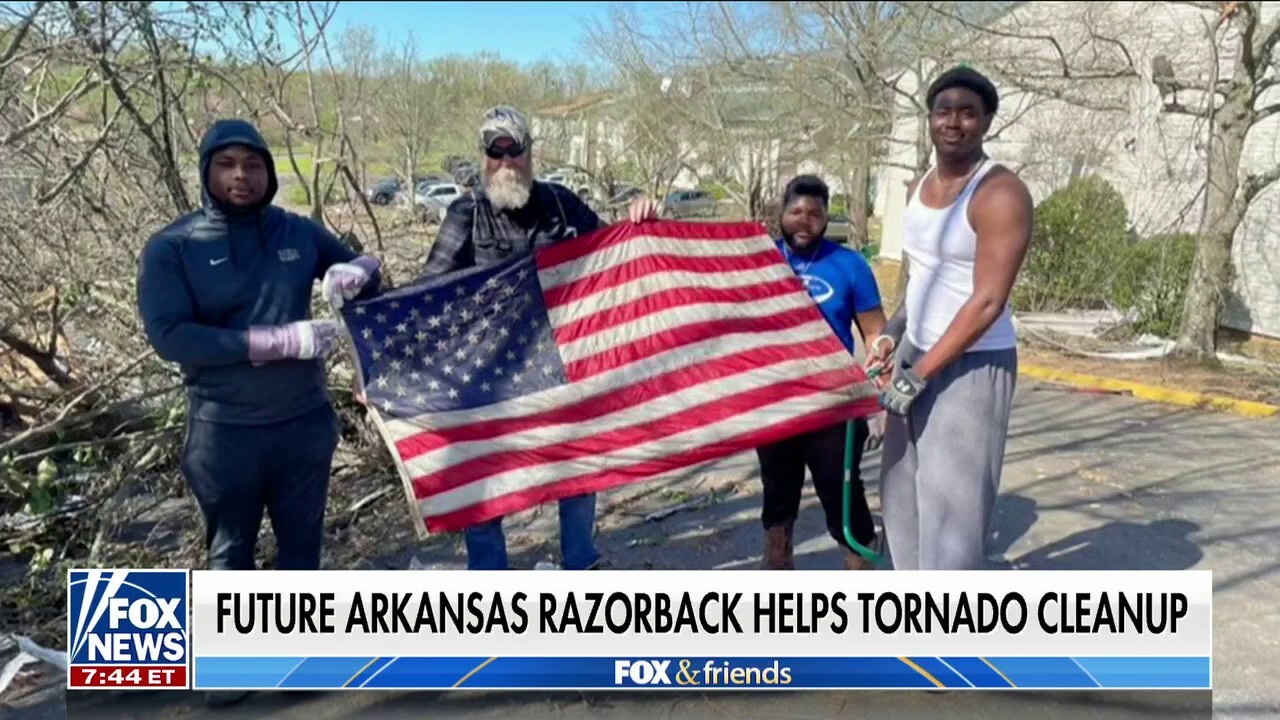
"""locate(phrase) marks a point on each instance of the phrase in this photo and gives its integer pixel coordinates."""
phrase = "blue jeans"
(487, 544)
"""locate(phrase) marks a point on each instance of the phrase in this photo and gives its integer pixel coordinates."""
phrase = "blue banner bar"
(703, 673)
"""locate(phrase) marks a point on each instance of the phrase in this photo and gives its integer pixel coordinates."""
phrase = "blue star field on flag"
(461, 341)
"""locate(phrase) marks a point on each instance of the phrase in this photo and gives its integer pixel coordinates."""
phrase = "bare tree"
(730, 131)
(410, 103)
(358, 63)
(793, 83)
(1234, 106)
(653, 138)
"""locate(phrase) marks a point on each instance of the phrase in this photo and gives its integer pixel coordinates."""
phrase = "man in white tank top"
(951, 358)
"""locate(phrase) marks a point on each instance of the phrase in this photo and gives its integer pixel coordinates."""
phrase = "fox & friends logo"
(657, 673)
(127, 629)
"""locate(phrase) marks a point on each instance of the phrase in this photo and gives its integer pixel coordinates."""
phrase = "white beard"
(507, 189)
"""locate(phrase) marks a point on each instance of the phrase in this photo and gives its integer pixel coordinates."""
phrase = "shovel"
(858, 547)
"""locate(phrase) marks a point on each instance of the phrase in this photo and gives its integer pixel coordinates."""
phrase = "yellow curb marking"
(1169, 396)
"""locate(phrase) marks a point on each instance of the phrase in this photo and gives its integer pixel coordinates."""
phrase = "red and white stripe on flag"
(682, 343)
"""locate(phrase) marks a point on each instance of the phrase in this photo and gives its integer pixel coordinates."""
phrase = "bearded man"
(511, 213)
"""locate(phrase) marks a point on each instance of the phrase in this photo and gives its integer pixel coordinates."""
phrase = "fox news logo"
(641, 672)
(127, 629)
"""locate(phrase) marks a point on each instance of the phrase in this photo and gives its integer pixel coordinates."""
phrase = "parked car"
(625, 195)
(838, 228)
(578, 182)
(688, 203)
(420, 180)
(432, 201)
(385, 190)
(615, 207)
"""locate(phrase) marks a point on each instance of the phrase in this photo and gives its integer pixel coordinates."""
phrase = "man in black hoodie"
(225, 292)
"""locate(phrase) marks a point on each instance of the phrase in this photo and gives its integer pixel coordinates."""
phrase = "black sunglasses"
(514, 150)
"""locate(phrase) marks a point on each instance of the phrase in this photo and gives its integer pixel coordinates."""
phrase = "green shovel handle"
(858, 547)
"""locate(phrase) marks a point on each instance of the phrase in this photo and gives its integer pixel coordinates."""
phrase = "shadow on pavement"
(1120, 545)
(1090, 483)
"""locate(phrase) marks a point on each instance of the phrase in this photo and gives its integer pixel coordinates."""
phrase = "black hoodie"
(213, 273)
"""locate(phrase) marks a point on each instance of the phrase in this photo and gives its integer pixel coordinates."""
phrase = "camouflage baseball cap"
(504, 121)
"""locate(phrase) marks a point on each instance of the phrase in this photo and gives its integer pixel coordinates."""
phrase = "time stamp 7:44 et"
(126, 676)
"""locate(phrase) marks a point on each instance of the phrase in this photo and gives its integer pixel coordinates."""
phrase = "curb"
(1247, 408)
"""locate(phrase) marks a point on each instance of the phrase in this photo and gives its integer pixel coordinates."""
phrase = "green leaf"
(46, 472)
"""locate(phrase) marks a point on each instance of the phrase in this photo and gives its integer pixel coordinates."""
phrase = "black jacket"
(473, 234)
(210, 275)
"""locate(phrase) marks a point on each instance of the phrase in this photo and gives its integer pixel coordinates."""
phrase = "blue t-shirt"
(839, 280)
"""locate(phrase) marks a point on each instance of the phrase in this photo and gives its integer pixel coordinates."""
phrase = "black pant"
(236, 471)
(782, 470)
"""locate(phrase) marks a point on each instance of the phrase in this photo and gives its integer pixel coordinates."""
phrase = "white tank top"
(940, 246)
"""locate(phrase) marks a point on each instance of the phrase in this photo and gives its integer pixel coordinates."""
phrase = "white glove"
(303, 340)
(344, 281)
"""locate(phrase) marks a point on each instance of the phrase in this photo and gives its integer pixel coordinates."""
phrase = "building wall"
(1116, 128)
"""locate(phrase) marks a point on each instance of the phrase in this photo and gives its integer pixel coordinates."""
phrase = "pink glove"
(344, 281)
(296, 341)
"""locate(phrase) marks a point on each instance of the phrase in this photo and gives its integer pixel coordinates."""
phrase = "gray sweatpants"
(940, 465)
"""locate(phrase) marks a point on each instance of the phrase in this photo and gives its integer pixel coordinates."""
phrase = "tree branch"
(1266, 112)
(96, 442)
(1032, 105)
(1059, 94)
(19, 35)
(46, 362)
(82, 87)
(966, 23)
(1254, 184)
(1266, 39)
(1116, 43)
(145, 20)
(79, 166)
(167, 167)
(64, 418)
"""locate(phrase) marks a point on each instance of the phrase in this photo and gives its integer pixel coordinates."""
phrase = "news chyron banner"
(652, 630)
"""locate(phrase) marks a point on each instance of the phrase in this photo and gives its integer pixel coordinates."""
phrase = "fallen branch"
(365, 501)
(47, 362)
(140, 434)
(62, 419)
(668, 512)
(64, 422)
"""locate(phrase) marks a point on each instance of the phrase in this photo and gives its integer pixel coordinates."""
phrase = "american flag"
(629, 352)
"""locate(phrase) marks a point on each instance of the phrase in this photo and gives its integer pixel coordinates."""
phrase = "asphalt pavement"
(1091, 482)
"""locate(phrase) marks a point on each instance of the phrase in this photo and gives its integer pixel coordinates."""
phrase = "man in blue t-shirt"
(841, 282)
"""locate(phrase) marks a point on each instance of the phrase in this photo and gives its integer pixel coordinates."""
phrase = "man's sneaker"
(223, 698)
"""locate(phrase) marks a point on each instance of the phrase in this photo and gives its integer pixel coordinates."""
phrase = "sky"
(523, 32)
